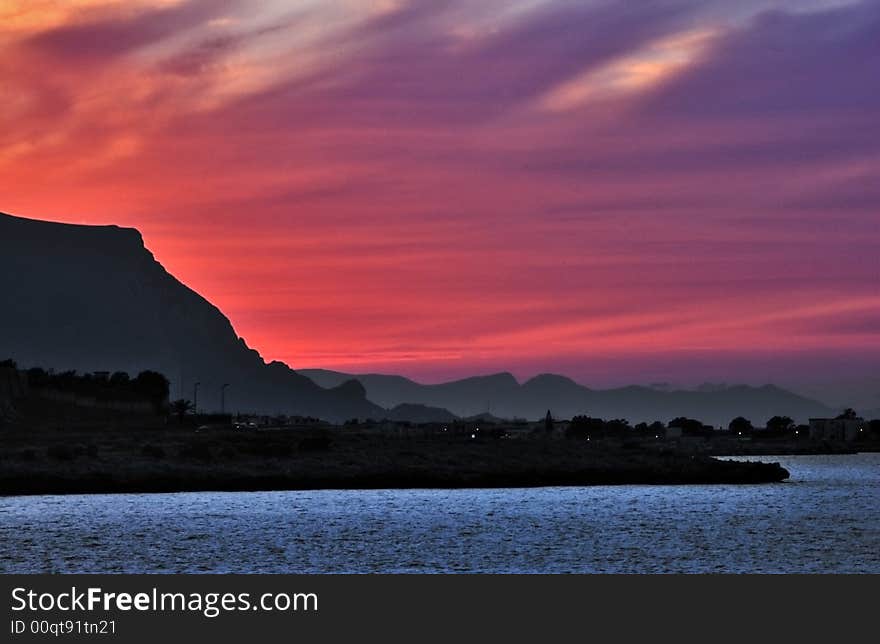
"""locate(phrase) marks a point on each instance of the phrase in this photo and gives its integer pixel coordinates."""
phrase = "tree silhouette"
(618, 427)
(154, 386)
(689, 426)
(848, 414)
(181, 408)
(780, 424)
(585, 427)
(740, 425)
(120, 378)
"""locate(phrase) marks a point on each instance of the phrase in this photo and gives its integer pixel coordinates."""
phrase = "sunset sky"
(617, 191)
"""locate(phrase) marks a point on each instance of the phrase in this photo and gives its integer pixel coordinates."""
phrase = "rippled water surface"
(825, 519)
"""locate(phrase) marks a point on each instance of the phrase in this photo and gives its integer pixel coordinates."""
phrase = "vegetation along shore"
(72, 434)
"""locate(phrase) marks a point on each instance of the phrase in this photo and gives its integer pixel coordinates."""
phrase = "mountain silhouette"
(93, 298)
(503, 396)
(416, 413)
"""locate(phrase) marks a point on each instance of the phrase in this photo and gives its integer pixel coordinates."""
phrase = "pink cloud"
(404, 201)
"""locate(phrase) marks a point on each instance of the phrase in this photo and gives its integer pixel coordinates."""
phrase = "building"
(836, 429)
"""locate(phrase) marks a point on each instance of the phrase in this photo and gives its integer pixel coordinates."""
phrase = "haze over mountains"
(93, 298)
(503, 396)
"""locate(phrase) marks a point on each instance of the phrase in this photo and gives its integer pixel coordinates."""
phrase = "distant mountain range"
(92, 298)
(503, 396)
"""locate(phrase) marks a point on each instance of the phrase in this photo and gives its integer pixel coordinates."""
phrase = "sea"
(824, 519)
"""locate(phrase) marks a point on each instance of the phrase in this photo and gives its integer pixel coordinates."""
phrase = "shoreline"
(748, 473)
(175, 460)
(160, 487)
(782, 450)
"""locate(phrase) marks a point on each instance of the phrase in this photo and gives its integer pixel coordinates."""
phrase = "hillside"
(93, 298)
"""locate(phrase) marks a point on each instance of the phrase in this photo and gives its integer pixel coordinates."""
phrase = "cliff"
(93, 298)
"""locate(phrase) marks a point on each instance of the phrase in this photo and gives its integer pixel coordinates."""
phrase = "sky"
(622, 192)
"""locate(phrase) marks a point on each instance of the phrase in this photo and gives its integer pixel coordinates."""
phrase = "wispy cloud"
(500, 183)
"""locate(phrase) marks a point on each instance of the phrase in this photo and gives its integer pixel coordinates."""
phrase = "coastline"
(787, 449)
(131, 461)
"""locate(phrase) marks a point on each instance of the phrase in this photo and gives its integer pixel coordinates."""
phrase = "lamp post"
(196, 398)
(223, 398)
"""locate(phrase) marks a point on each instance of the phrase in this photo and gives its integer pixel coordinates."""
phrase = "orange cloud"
(370, 186)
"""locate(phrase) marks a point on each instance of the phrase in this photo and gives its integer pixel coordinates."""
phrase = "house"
(836, 429)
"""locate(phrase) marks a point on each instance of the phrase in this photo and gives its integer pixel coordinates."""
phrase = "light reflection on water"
(825, 519)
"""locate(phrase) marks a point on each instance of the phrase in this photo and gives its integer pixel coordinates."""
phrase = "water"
(825, 519)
